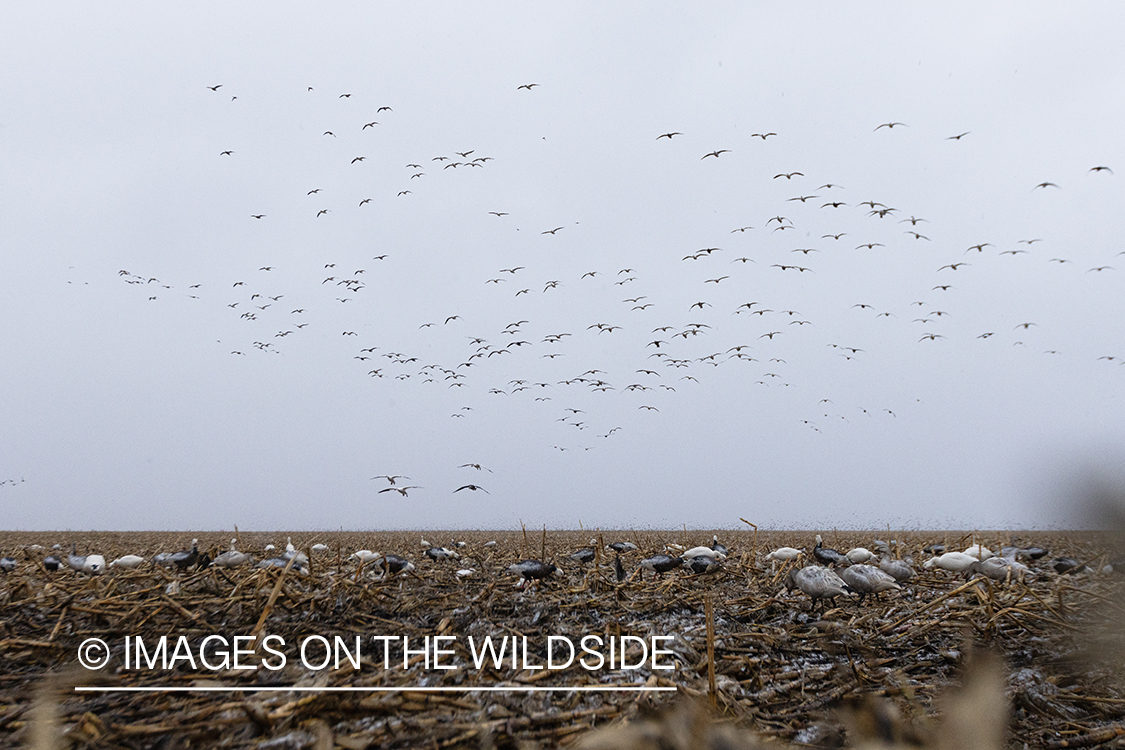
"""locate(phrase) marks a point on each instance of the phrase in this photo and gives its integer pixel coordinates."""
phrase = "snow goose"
(785, 554)
(701, 564)
(867, 579)
(128, 562)
(232, 558)
(859, 555)
(900, 570)
(708, 552)
(715, 545)
(533, 570)
(816, 582)
(184, 559)
(94, 564)
(366, 556)
(956, 562)
(7, 564)
(979, 551)
(441, 553)
(393, 564)
(995, 568)
(583, 556)
(661, 563)
(826, 556)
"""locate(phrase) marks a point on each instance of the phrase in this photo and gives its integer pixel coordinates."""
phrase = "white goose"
(127, 561)
(957, 562)
(232, 558)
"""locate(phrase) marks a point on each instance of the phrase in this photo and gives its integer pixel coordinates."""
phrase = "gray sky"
(148, 385)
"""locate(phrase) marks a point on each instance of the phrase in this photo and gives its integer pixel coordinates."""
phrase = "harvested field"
(774, 664)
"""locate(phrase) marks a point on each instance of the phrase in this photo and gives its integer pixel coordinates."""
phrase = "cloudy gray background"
(121, 411)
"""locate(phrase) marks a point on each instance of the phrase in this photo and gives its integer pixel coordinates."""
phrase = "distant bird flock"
(736, 301)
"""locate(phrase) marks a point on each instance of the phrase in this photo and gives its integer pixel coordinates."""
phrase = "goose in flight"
(473, 487)
(891, 125)
(716, 153)
(528, 86)
(401, 490)
(667, 135)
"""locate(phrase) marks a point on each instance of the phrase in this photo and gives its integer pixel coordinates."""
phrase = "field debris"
(373, 643)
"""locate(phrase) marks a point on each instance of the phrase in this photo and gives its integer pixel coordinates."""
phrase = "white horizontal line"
(355, 689)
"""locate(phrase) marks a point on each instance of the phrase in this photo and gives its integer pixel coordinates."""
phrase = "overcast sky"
(691, 329)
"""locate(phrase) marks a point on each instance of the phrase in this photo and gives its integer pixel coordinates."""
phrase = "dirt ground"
(775, 664)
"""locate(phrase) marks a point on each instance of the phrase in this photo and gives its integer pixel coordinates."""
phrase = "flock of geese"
(736, 303)
(828, 574)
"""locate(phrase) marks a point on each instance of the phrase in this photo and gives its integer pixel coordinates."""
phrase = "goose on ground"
(900, 570)
(394, 564)
(127, 561)
(827, 556)
(867, 579)
(661, 563)
(441, 553)
(785, 554)
(979, 551)
(1067, 565)
(618, 568)
(269, 548)
(934, 549)
(281, 562)
(1033, 553)
(998, 568)
(492, 543)
(319, 547)
(816, 582)
(465, 572)
(702, 564)
(301, 557)
(184, 559)
(533, 570)
(715, 545)
(74, 560)
(708, 552)
(94, 564)
(232, 558)
(859, 555)
(7, 564)
(957, 562)
(366, 556)
(52, 563)
(622, 546)
(583, 556)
